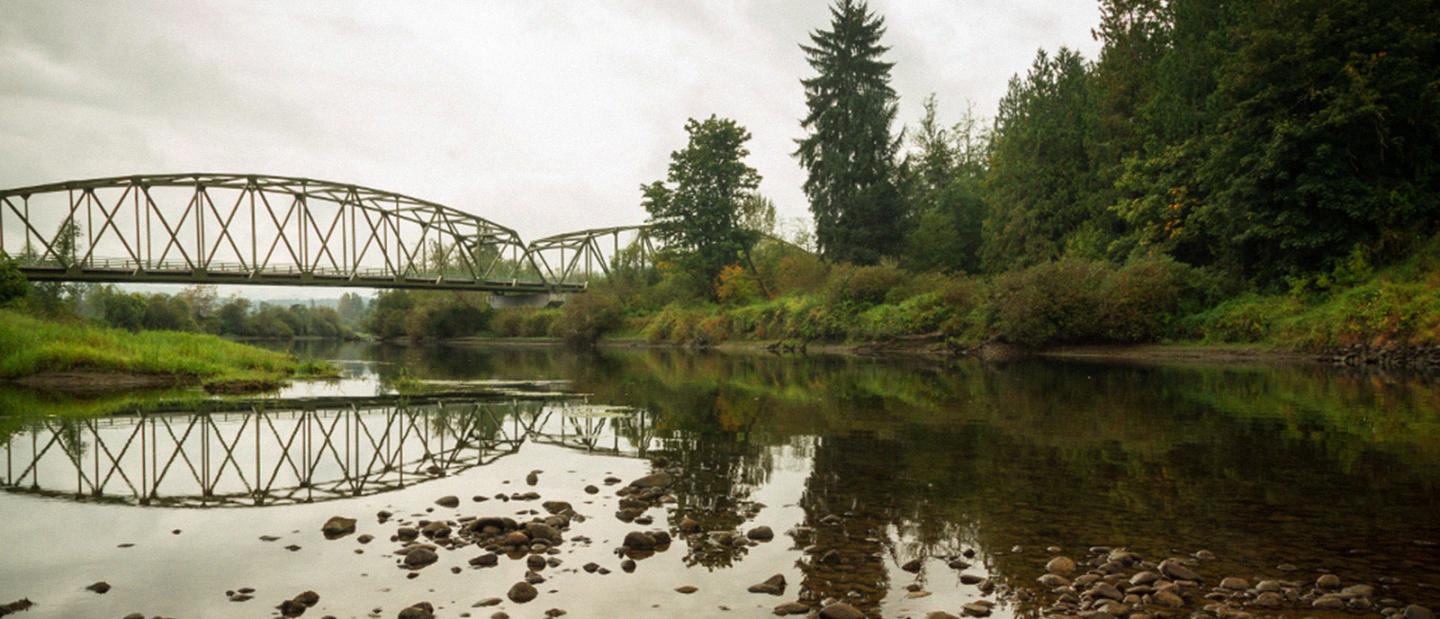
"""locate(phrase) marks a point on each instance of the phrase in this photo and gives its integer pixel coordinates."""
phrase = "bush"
(588, 316)
(1050, 303)
(1246, 319)
(788, 270)
(509, 322)
(737, 285)
(1143, 300)
(537, 322)
(13, 284)
(865, 285)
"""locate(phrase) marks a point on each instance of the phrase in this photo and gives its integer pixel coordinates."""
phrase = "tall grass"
(30, 345)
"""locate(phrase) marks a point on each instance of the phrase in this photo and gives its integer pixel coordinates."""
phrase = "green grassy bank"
(1067, 302)
(33, 350)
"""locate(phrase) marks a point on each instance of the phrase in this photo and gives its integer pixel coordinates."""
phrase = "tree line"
(1262, 140)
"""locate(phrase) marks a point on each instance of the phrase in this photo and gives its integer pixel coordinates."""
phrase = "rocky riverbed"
(518, 544)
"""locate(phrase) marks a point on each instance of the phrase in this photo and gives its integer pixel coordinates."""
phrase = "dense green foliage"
(13, 284)
(404, 313)
(698, 214)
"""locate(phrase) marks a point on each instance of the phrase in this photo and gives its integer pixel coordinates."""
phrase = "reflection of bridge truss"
(265, 454)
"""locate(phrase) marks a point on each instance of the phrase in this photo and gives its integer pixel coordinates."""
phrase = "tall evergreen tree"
(943, 186)
(849, 152)
(1046, 197)
(699, 212)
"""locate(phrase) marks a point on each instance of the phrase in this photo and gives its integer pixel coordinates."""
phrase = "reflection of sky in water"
(1260, 466)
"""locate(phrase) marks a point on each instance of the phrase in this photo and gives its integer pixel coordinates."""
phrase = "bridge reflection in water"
(274, 453)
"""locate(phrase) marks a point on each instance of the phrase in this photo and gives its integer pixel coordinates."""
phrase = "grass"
(31, 346)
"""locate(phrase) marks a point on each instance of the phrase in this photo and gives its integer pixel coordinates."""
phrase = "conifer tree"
(849, 152)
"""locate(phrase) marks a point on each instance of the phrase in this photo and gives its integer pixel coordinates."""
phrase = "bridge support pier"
(534, 300)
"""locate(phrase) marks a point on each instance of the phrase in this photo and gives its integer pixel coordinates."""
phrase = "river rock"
(1269, 599)
(488, 559)
(1063, 566)
(686, 589)
(291, 608)
(522, 592)
(1415, 611)
(975, 610)
(841, 610)
(1053, 580)
(414, 612)
(1327, 581)
(760, 534)
(940, 614)
(913, 565)
(774, 585)
(419, 610)
(99, 587)
(448, 501)
(791, 608)
(1234, 583)
(689, 525)
(1173, 569)
(308, 598)
(653, 480)
(419, 557)
(556, 507)
(1269, 586)
(592, 489)
(436, 530)
(1329, 602)
(1107, 590)
(639, 540)
(1167, 598)
(535, 562)
(1144, 578)
(337, 527)
(532, 478)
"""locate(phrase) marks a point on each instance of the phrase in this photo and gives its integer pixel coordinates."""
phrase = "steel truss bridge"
(207, 228)
(237, 454)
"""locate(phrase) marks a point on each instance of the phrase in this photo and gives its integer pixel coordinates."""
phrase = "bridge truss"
(211, 228)
(577, 257)
(252, 229)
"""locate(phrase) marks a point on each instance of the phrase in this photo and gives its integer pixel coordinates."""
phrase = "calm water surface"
(168, 500)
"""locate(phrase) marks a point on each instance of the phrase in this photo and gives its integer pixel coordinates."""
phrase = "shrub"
(711, 330)
(737, 285)
(1246, 319)
(1142, 300)
(588, 316)
(13, 284)
(537, 322)
(1050, 303)
(865, 285)
(794, 272)
(509, 322)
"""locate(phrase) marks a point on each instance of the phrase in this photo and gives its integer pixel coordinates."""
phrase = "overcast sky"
(542, 116)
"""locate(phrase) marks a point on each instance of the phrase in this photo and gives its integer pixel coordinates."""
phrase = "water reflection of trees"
(919, 461)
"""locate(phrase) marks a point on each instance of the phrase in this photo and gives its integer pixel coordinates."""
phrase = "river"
(901, 487)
